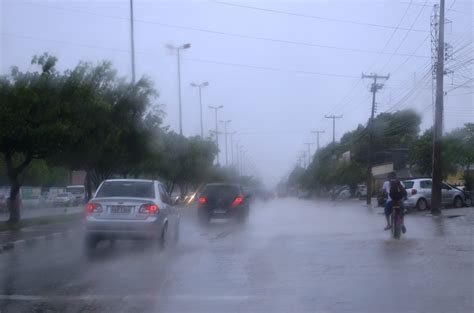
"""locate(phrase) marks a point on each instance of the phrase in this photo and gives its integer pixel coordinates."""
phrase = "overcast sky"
(277, 66)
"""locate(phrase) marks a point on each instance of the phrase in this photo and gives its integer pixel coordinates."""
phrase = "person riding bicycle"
(395, 191)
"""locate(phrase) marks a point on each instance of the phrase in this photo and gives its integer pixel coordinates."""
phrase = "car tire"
(421, 205)
(91, 242)
(458, 203)
(163, 240)
(468, 202)
(203, 217)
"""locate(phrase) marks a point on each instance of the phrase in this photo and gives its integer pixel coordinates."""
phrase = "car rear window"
(128, 189)
(222, 191)
(408, 184)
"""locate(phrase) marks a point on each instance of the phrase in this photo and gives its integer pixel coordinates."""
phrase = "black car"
(223, 201)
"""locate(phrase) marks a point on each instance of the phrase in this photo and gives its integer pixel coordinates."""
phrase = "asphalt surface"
(291, 256)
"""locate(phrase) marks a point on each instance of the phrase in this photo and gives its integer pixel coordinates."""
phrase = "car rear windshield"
(409, 184)
(222, 191)
(127, 189)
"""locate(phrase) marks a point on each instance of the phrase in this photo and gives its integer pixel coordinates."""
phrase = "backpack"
(397, 192)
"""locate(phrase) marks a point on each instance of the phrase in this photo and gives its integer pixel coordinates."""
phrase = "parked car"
(419, 194)
(63, 199)
(223, 201)
(344, 193)
(131, 209)
(467, 195)
(361, 191)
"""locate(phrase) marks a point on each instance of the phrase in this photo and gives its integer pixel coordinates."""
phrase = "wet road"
(291, 256)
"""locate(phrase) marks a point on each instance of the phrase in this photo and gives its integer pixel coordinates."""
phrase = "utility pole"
(317, 132)
(438, 121)
(225, 140)
(200, 102)
(132, 41)
(334, 117)
(304, 158)
(374, 87)
(232, 147)
(215, 108)
(309, 150)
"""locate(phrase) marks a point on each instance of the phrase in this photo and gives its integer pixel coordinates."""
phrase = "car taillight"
(413, 192)
(149, 208)
(202, 200)
(238, 201)
(92, 207)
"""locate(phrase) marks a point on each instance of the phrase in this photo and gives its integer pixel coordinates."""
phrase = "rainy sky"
(277, 67)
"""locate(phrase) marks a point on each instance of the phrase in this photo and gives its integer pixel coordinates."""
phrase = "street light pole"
(232, 147)
(215, 108)
(225, 139)
(200, 102)
(132, 40)
(178, 50)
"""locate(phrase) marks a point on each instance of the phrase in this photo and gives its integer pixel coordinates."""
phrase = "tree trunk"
(15, 203)
(13, 173)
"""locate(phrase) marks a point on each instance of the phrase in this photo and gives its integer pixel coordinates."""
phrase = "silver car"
(419, 194)
(131, 209)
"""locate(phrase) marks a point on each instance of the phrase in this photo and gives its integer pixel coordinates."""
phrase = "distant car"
(344, 193)
(78, 193)
(131, 209)
(361, 191)
(222, 201)
(63, 199)
(419, 194)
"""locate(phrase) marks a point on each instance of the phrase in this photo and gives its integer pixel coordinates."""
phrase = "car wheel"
(91, 242)
(458, 202)
(162, 241)
(203, 217)
(421, 205)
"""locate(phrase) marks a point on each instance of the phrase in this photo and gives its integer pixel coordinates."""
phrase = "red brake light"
(414, 191)
(202, 200)
(238, 201)
(92, 207)
(149, 208)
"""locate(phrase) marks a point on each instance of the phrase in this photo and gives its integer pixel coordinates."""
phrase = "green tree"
(35, 120)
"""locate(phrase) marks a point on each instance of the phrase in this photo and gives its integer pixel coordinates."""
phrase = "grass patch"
(43, 220)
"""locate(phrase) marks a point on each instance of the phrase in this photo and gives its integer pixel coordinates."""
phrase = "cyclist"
(394, 190)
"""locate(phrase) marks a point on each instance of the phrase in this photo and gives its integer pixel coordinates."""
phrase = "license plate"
(220, 211)
(119, 209)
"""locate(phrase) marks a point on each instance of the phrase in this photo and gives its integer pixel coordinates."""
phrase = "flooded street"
(291, 256)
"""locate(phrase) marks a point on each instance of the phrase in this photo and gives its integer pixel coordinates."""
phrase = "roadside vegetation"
(87, 118)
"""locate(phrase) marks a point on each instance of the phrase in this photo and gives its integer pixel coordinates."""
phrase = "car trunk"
(121, 208)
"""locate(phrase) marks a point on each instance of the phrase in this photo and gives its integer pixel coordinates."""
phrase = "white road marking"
(191, 297)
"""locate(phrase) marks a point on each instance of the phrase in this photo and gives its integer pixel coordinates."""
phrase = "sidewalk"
(44, 212)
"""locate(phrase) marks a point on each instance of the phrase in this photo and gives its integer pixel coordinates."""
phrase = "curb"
(12, 245)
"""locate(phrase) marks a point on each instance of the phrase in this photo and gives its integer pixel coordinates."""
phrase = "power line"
(274, 69)
(405, 37)
(311, 16)
(235, 35)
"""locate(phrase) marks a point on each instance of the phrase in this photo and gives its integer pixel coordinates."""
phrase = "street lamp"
(200, 101)
(178, 49)
(232, 147)
(225, 136)
(215, 108)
